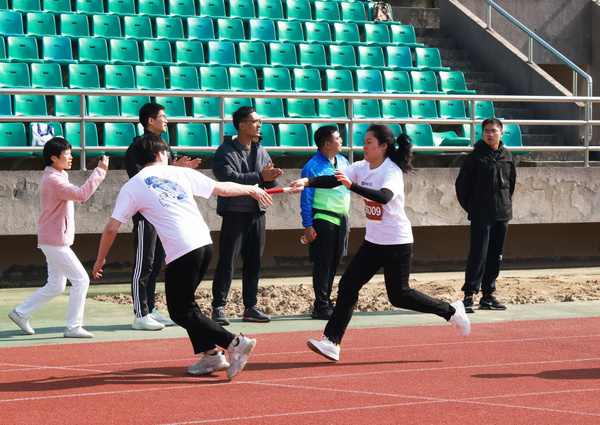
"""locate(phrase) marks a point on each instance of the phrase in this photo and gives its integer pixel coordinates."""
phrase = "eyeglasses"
(259, 121)
(492, 130)
(164, 117)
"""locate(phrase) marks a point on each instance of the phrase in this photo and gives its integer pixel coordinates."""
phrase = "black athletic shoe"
(255, 315)
(218, 315)
(323, 314)
(489, 302)
(468, 302)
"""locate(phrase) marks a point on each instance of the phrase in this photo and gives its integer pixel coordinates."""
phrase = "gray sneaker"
(238, 354)
(22, 322)
(255, 314)
(77, 332)
(209, 363)
(218, 315)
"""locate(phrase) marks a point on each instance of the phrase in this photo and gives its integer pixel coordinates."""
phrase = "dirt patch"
(284, 300)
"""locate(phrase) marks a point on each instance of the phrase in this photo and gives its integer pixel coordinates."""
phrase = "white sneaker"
(209, 363)
(146, 323)
(22, 322)
(160, 318)
(460, 319)
(325, 347)
(77, 332)
(238, 354)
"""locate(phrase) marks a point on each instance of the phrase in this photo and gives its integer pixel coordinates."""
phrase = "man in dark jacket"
(242, 160)
(484, 188)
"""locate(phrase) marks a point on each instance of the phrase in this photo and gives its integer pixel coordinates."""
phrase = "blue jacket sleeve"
(306, 199)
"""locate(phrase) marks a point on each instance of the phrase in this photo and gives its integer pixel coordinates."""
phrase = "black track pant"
(147, 262)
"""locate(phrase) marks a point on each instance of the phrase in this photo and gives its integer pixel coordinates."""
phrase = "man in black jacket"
(484, 188)
(242, 160)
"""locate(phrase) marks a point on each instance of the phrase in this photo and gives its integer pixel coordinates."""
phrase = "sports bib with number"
(373, 210)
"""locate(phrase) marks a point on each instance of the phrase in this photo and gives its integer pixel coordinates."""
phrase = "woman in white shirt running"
(388, 240)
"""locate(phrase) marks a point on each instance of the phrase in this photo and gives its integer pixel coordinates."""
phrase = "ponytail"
(402, 156)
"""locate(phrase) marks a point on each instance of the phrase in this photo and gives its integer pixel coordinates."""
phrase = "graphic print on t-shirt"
(169, 192)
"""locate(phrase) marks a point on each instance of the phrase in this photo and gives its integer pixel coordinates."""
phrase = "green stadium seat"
(290, 31)
(377, 34)
(313, 129)
(221, 53)
(252, 53)
(420, 134)
(182, 8)
(243, 79)
(312, 55)
(353, 12)
(12, 134)
(270, 9)
(84, 76)
(119, 77)
(371, 57)
(449, 138)
(189, 53)
(93, 50)
(212, 8)
(453, 82)
(231, 29)
(394, 108)
(339, 80)
(130, 105)
(242, 9)
(346, 33)
(169, 28)
(190, 135)
(342, 56)
(396, 129)
(452, 109)
(121, 7)
(40, 24)
(137, 27)
(175, 105)
(404, 35)
(262, 30)
(283, 54)
(206, 107)
(3, 57)
(423, 109)
(483, 109)
(57, 6)
(14, 75)
(396, 81)
(424, 82)
(124, 52)
(30, 104)
(100, 106)
(326, 11)
(269, 107)
(277, 79)
(301, 108)
(74, 25)
(22, 49)
(184, 78)
(200, 28)
(232, 104)
(152, 8)
(214, 129)
(269, 139)
(359, 131)
(332, 108)
(117, 134)
(512, 136)
(368, 80)
(89, 7)
(11, 23)
(73, 135)
(57, 50)
(429, 59)
(26, 5)
(46, 75)
(293, 135)
(317, 32)
(298, 10)
(157, 52)
(67, 105)
(107, 26)
(400, 57)
(140, 131)
(307, 79)
(214, 78)
(5, 104)
(150, 77)
(366, 108)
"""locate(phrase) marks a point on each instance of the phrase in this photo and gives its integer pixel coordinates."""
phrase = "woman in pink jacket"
(56, 232)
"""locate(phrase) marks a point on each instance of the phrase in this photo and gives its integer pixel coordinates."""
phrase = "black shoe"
(489, 302)
(468, 302)
(218, 315)
(255, 315)
(322, 314)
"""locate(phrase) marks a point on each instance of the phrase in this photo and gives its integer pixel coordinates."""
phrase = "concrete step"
(487, 88)
(466, 66)
(440, 43)
(423, 32)
(415, 3)
(417, 17)
(513, 112)
(475, 76)
(453, 54)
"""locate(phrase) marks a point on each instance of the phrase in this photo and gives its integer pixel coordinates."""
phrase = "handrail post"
(351, 131)
(82, 131)
(530, 50)
(222, 123)
(488, 17)
(575, 90)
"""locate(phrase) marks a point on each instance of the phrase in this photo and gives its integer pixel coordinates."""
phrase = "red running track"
(534, 372)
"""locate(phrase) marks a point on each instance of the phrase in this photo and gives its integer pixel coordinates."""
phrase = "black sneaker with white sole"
(254, 314)
(468, 302)
(490, 302)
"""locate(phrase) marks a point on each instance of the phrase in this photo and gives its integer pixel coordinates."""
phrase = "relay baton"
(283, 190)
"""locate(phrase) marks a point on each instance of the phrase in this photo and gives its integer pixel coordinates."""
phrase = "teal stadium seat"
(452, 109)
(449, 138)
(483, 109)
(307, 79)
(400, 58)
(269, 139)
(157, 52)
(424, 82)
(453, 82)
(119, 77)
(175, 105)
(339, 80)
(183, 78)
(317, 32)
(231, 29)
(369, 81)
(74, 25)
(232, 104)
(298, 10)
(326, 11)
(189, 53)
(191, 135)
(22, 49)
(212, 8)
(30, 104)
(270, 9)
(366, 108)
(14, 75)
(89, 7)
(243, 79)
(125, 52)
(118, 134)
(353, 12)
(293, 135)
(342, 56)
(150, 77)
(107, 26)
(429, 59)
(57, 6)
(169, 28)
(26, 5)
(200, 28)
(290, 31)
(404, 35)
(11, 23)
(346, 33)
(377, 34)
(12, 134)
(84, 76)
(420, 134)
(332, 108)
(394, 109)
(371, 57)
(301, 108)
(214, 78)
(182, 8)
(423, 109)
(206, 107)
(252, 53)
(121, 7)
(397, 82)
(313, 55)
(269, 107)
(152, 8)
(93, 50)
(215, 136)
(283, 54)
(67, 105)
(242, 9)
(140, 131)
(57, 50)
(277, 79)
(46, 75)
(512, 136)
(359, 131)
(130, 105)
(221, 53)
(262, 30)
(100, 106)
(5, 104)
(73, 135)
(137, 27)
(40, 24)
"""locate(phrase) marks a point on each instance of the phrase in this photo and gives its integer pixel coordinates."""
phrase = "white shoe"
(146, 323)
(238, 354)
(325, 347)
(22, 322)
(209, 363)
(77, 332)
(160, 318)
(460, 319)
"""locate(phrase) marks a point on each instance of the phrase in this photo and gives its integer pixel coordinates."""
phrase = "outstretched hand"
(298, 185)
(186, 161)
(342, 178)
(261, 196)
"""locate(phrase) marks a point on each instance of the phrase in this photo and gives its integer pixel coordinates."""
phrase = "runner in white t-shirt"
(388, 240)
(165, 196)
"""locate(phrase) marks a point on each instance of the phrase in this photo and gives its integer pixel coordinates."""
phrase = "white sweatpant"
(63, 264)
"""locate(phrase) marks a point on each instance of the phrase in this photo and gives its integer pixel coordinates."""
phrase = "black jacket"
(229, 165)
(486, 183)
(133, 167)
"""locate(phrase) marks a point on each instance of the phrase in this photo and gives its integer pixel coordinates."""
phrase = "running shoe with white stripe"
(160, 318)
(209, 363)
(460, 319)
(238, 354)
(325, 347)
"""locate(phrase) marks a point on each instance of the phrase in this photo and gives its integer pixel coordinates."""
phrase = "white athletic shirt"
(164, 194)
(387, 224)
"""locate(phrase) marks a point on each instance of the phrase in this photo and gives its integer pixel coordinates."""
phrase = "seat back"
(326, 11)
(189, 52)
(214, 78)
(183, 78)
(332, 108)
(119, 77)
(84, 76)
(30, 104)
(397, 81)
(317, 31)
(420, 134)
(423, 109)
(290, 31)
(252, 53)
(221, 53)
(371, 56)
(14, 75)
(12, 22)
(346, 32)
(270, 9)
(283, 54)
(137, 27)
(298, 9)
(22, 49)
(74, 25)
(175, 105)
(243, 79)
(452, 109)
(301, 108)
(40, 24)
(262, 30)
(200, 28)
(130, 105)
(12, 134)
(242, 9)
(92, 50)
(375, 33)
(107, 26)
(183, 8)
(118, 134)
(150, 77)
(57, 50)
(46, 75)
(277, 79)
(312, 55)
(369, 80)
(339, 80)
(394, 108)
(231, 29)
(169, 28)
(366, 108)
(99, 106)
(269, 107)
(212, 8)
